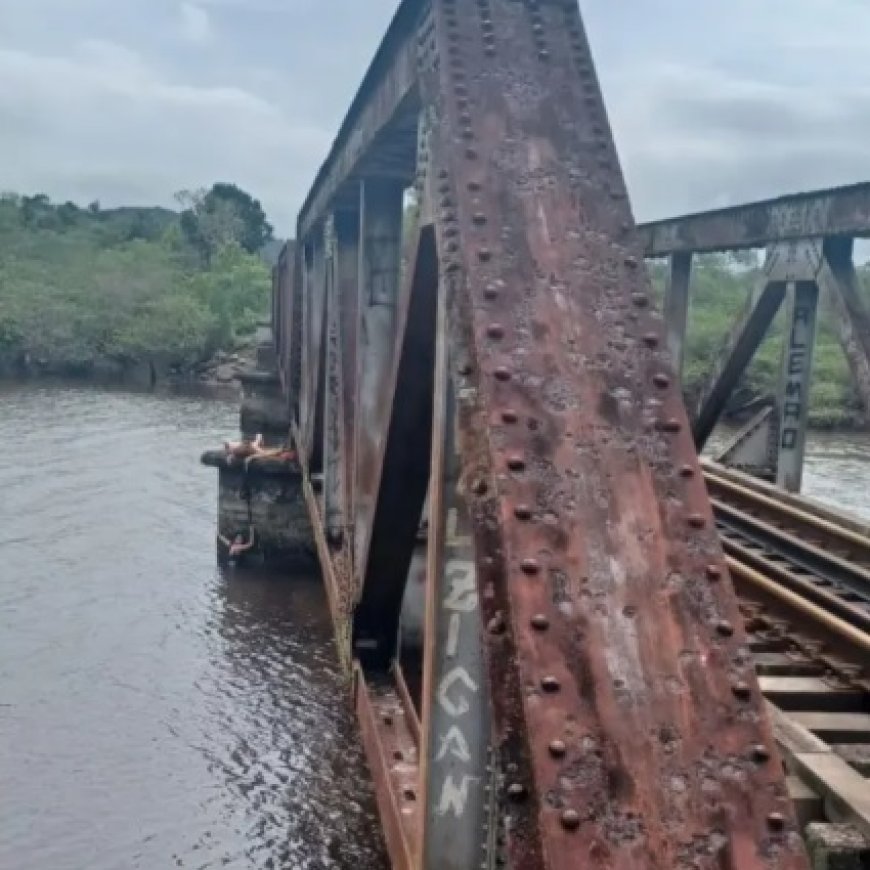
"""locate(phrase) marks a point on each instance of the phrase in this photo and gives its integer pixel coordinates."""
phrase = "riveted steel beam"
(838, 211)
(618, 686)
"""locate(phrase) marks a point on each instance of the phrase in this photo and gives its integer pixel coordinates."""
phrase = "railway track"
(803, 575)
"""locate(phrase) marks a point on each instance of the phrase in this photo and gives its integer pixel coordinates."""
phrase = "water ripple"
(157, 712)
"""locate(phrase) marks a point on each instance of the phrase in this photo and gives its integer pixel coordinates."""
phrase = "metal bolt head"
(557, 748)
(502, 373)
(523, 512)
(661, 380)
(651, 339)
(741, 690)
(724, 628)
(775, 821)
(515, 462)
(760, 753)
(713, 572)
(550, 683)
(570, 819)
(641, 300)
(516, 791)
(496, 625)
(509, 416)
(495, 331)
(696, 521)
(530, 566)
(540, 622)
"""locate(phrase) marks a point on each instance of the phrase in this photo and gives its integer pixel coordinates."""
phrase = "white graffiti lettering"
(455, 743)
(453, 797)
(462, 596)
(461, 705)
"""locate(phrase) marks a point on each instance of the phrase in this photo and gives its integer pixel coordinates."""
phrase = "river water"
(156, 712)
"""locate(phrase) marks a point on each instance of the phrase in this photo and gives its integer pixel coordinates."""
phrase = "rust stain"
(625, 716)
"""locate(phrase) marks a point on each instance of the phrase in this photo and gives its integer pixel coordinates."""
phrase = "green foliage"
(84, 285)
(221, 216)
(720, 287)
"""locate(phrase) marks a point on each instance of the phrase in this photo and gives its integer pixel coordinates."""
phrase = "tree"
(221, 216)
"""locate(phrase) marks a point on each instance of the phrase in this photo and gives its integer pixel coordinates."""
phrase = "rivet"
(479, 487)
(557, 748)
(495, 331)
(530, 566)
(687, 471)
(509, 416)
(523, 512)
(484, 255)
(570, 819)
(479, 219)
(490, 292)
(502, 373)
(409, 794)
(641, 300)
(550, 684)
(445, 201)
(473, 186)
(714, 572)
(464, 368)
(467, 134)
(516, 791)
(651, 340)
(760, 753)
(540, 622)
(460, 90)
(669, 425)
(696, 521)
(388, 720)
(397, 754)
(495, 625)
(775, 821)
(741, 690)
(515, 462)
(470, 153)
(631, 262)
(661, 380)
(724, 628)
(543, 54)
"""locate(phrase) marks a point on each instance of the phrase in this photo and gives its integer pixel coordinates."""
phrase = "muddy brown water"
(155, 711)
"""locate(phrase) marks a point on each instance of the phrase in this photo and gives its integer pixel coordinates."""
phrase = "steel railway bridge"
(572, 643)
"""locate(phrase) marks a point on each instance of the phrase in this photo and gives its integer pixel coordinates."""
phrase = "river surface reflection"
(154, 711)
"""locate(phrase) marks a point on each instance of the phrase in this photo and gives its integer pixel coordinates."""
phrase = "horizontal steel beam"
(387, 93)
(840, 211)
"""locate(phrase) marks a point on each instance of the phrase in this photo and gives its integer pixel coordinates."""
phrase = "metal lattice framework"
(549, 665)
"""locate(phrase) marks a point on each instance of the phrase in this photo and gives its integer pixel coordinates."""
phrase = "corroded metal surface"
(838, 211)
(625, 705)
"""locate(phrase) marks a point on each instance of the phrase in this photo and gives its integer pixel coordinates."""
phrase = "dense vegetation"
(720, 284)
(84, 290)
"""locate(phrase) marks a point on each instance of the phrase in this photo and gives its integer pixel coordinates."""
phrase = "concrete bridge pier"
(265, 493)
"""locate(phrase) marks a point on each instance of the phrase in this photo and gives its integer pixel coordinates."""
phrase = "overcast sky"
(126, 101)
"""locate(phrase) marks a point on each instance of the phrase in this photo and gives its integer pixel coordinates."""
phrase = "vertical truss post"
(676, 305)
(293, 330)
(380, 261)
(333, 429)
(455, 779)
(793, 396)
(840, 282)
(313, 312)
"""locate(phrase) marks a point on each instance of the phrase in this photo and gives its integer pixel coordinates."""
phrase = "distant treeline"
(720, 285)
(85, 289)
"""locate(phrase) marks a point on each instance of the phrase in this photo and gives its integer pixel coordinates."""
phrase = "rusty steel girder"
(627, 716)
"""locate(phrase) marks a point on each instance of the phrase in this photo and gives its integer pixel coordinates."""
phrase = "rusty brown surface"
(626, 714)
(837, 211)
(393, 761)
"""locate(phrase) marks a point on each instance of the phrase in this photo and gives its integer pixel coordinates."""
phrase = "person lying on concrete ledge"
(243, 449)
(238, 546)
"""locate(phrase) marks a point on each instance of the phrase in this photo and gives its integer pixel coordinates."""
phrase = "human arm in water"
(239, 546)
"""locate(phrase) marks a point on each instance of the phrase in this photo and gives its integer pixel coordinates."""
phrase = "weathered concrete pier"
(264, 493)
